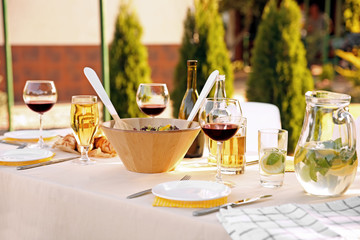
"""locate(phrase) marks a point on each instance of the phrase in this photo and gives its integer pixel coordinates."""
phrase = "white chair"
(259, 116)
(357, 124)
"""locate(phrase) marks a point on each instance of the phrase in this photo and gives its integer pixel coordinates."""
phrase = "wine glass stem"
(41, 140)
(84, 153)
(218, 162)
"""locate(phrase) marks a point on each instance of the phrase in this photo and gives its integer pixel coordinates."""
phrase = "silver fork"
(138, 194)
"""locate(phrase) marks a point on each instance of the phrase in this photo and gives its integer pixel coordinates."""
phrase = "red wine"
(220, 131)
(153, 109)
(40, 106)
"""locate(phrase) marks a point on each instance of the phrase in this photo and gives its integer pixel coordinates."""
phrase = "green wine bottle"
(211, 144)
(187, 104)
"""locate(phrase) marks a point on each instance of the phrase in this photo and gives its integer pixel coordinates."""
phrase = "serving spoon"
(204, 92)
(99, 89)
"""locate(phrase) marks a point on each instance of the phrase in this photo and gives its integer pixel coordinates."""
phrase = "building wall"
(54, 40)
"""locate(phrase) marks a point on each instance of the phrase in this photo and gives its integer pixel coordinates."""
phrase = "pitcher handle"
(350, 123)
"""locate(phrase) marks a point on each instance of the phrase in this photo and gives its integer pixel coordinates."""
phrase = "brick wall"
(64, 65)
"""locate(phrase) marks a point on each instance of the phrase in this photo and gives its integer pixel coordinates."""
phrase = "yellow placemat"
(16, 164)
(162, 202)
(289, 166)
(28, 140)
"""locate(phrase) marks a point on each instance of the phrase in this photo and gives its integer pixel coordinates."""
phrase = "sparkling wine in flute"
(84, 123)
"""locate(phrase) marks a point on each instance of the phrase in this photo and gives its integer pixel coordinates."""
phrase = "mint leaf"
(330, 159)
(333, 144)
(322, 166)
(310, 157)
(311, 162)
(313, 171)
(273, 158)
(322, 163)
(337, 143)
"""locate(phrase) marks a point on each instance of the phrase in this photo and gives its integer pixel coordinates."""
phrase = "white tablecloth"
(68, 201)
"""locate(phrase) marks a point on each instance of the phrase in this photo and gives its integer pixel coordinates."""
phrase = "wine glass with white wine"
(84, 123)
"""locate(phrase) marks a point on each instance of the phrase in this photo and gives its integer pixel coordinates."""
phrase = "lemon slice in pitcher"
(273, 162)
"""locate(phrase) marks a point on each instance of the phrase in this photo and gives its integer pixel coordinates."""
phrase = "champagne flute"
(84, 123)
(152, 98)
(40, 96)
(220, 120)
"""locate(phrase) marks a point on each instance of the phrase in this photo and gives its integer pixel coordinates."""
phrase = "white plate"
(25, 155)
(191, 190)
(30, 134)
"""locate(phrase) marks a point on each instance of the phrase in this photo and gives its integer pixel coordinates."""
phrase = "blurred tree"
(203, 40)
(128, 63)
(279, 73)
(352, 15)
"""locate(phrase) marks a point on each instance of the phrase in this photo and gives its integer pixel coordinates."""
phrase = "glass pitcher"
(325, 156)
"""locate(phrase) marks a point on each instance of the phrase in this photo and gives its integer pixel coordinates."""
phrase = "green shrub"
(203, 40)
(327, 72)
(128, 63)
(352, 15)
(279, 73)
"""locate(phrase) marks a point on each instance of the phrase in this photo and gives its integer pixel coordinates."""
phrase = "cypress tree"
(203, 40)
(279, 68)
(128, 63)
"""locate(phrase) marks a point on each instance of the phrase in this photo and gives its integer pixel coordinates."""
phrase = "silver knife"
(45, 163)
(138, 194)
(234, 204)
(20, 145)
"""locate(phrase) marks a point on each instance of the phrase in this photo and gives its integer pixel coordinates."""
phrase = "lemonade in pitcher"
(325, 157)
(325, 168)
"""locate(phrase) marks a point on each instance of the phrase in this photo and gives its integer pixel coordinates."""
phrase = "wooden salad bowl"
(151, 151)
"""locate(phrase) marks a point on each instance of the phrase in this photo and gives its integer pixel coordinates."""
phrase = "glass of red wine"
(152, 98)
(40, 96)
(220, 120)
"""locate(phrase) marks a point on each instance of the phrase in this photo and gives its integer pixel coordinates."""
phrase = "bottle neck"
(220, 89)
(191, 77)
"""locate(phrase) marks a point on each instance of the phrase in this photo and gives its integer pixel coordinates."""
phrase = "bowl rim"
(153, 132)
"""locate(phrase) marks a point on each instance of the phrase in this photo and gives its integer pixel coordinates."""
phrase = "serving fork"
(138, 194)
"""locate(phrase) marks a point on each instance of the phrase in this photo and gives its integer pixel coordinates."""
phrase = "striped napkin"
(331, 220)
(162, 202)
